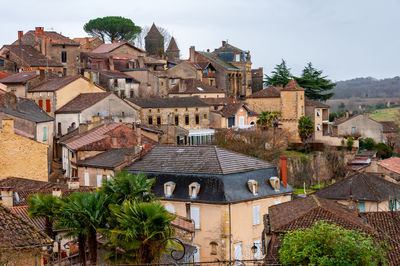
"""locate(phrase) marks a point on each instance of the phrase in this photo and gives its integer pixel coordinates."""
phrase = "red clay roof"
(30, 57)
(22, 212)
(391, 164)
(82, 101)
(183, 223)
(54, 84)
(4, 75)
(21, 77)
(109, 47)
(292, 86)
(15, 233)
(270, 92)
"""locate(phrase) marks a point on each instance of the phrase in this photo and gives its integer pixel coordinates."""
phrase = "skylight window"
(200, 89)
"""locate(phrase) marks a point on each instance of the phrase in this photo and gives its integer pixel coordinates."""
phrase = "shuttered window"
(86, 179)
(44, 133)
(99, 180)
(256, 214)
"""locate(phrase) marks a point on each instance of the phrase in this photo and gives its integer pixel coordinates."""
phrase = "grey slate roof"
(108, 159)
(168, 102)
(219, 61)
(26, 109)
(197, 160)
(363, 187)
(222, 174)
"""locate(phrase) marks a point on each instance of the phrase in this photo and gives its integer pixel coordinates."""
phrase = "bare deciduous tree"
(139, 41)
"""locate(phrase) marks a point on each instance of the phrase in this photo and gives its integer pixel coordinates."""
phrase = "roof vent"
(275, 183)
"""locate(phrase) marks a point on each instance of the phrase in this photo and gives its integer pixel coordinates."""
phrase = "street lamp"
(254, 248)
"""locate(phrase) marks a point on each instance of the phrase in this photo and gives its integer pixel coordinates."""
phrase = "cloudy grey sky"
(345, 38)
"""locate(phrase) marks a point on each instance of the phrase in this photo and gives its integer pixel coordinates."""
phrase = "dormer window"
(253, 186)
(194, 190)
(169, 188)
(275, 183)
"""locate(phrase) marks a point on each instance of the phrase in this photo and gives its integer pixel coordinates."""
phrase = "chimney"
(141, 61)
(192, 51)
(208, 50)
(115, 40)
(20, 35)
(283, 165)
(232, 100)
(138, 132)
(73, 183)
(11, 100)
(39, 31)
(42, 75)
(223, 43)
(82, 128)
(111, 63)
(182, 86)
(347, 114)
(56, 192)
(128, 158)
(7, 197)
(87, 43)
(8, 126)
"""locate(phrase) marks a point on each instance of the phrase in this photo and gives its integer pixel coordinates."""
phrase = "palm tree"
(126, 186)
(266, 117)
(82, 214)
(142, 231)
(47, 206)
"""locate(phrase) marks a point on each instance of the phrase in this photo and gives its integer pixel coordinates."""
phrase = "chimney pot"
(7, 198)
(39, 31)
(192, 50)
(20, 34)
(223, 43)
(283, 165)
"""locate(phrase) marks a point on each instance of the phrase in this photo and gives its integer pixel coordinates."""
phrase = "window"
(123, 114)
(195, 216)
(87, 179)
(238, 251)
(257, 255)
(131, 94)
(150, 120)
(169, 188)
(394, 205)
(237, 57)
(215, 108)
(40, 94)
(361, 206)
(158, 120)
(48, 108)
(170, 208)
(256, 214)
(40, 103)
(253, 186)
(99, 180)
(197, 119)
(194, 189)
(186, 120)
(158, 110)
(59, 128)
(277, 202)
(176, 120)
(353, 130)
(196, 255)
(319, 127)
(214, 247)
(48, 94)
(44, 133)
(172, 81)
(1, 62)
(318, 113)
(64, 56)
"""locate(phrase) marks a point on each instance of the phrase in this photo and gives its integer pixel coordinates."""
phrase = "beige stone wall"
(292, 104)
(214, 225)
(36, 96)
(40, 128)
(93, 173)
(364, 126)
(370, 206)
(184, 71)
(167, 116)
(264, 104)
(200, 95)
(20, 90)
(20, 156)
(125, 49)
(73, 52)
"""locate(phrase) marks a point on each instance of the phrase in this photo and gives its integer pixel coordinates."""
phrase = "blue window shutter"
(361, 206)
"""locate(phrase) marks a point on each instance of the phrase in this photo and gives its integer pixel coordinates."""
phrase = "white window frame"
(87, 179)
(99, 179)
(238, 251)
(195, 216)
(169, 208)
(257, 255)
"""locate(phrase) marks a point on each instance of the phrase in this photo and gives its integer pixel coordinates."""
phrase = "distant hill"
(368, 88)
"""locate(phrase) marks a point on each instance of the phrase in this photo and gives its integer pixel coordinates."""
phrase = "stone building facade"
(154, 42)
(21, 156)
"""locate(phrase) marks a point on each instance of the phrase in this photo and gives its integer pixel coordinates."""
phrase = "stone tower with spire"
(173, 50)
(154, 42)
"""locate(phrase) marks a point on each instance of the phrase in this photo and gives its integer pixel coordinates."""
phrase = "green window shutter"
(44, 133)
(390, 205)
(361, 206)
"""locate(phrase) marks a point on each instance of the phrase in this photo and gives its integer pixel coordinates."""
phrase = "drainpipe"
(230, 234)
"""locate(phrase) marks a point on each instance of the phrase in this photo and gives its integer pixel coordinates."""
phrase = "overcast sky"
(344, 38)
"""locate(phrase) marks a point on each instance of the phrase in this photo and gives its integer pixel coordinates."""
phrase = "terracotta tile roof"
(231, 109)
(55, 38)
(22, 212)
(362, 187)
(82, 40)
(54, 84)
(292, 86)
(82, 102)
(183, 223)
(315, 104)
(178, 102)
(391, 164)
(91, 136)
(304, 212)
(31, 57)
(198, 160)
(388, 126)
(26, 187)
(117, 74)
(21, 77)
(15, 233)
(216, 101)
(194, 86)
(270, 92)
(388, 226)
(4, 75)
(109, 47)
(172, 45)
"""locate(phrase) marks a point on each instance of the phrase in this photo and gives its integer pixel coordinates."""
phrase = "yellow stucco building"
(225, 193)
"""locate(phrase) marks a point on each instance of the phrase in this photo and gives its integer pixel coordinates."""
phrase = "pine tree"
(317, 86)
(280, 76)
